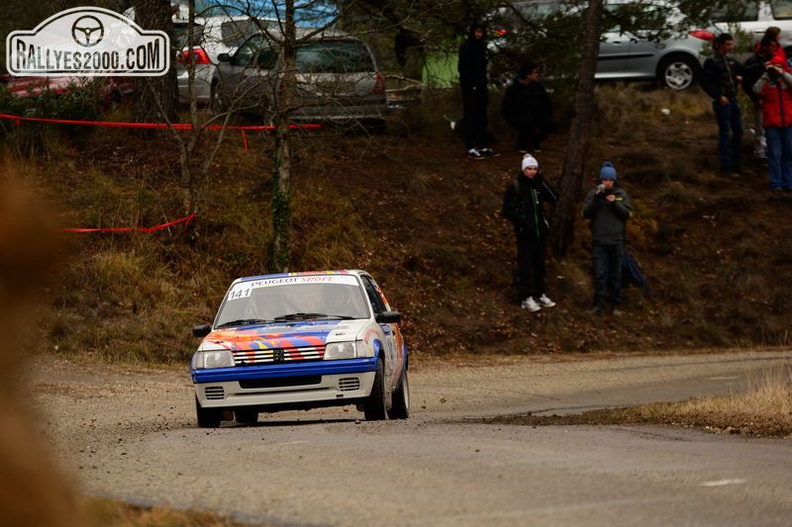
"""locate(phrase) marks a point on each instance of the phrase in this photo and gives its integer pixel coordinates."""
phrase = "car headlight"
(347, 350)
(206, 359)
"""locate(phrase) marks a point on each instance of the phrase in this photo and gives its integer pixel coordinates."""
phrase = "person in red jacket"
(774, 88)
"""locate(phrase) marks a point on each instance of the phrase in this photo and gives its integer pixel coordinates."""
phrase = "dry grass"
(764, 410)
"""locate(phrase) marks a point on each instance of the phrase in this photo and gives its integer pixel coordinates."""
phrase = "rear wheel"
(207, 417)
(374, 409)
(679, 72)
(401, 400)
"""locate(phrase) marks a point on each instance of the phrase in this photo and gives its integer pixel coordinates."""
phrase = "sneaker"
(531, 305)
(488, 152)
(475, 154)
(546, 302)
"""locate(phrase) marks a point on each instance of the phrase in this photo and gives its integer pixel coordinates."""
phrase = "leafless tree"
(577, 142)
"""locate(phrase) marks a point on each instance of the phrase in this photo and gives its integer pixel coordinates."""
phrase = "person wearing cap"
(608, 207)
(774, 89)
(523, 207)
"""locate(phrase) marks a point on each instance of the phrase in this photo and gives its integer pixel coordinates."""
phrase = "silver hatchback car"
(627, 50)
(627, 53)
(337, 78)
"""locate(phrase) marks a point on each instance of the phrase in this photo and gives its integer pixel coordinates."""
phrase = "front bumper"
(276, 387)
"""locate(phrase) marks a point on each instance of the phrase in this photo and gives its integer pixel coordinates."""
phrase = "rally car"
(301, 341)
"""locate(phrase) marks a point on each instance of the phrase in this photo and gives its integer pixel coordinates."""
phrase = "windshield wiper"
(243, 322)
(308, 316)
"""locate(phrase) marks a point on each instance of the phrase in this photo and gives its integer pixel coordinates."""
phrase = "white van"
(754, 17)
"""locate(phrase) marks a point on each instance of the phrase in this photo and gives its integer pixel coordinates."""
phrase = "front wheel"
(679, 72)
(207, 417)
(374, 408)
(217, 102)
(246, 416)
(401, 400)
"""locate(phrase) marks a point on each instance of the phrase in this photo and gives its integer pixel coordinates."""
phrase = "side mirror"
(388, 317)
(224, 57)
(201, 331)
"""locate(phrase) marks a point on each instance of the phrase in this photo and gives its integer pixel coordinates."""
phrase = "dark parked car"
(337, 78)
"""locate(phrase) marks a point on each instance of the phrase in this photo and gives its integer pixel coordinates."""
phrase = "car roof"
(355, 272)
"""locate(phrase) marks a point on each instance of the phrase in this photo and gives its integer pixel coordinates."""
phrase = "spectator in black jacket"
(528, 108)
(721, 79)
(522, 206)
(472, 67)
(608, 207)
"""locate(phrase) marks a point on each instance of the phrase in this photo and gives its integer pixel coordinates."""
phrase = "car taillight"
(702, 34)
(379, 85)
(199, 55)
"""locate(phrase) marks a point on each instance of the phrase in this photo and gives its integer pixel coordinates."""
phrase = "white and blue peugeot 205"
(300, 341)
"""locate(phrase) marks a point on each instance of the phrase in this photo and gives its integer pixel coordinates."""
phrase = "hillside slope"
(410, 207)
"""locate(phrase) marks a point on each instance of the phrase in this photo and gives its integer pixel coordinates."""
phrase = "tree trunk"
(572, 174)
(156, 96)
(281, 165)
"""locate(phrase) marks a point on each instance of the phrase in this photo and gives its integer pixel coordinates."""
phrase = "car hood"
(311, 334)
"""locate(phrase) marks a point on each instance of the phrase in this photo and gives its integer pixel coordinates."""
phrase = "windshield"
(314, 297)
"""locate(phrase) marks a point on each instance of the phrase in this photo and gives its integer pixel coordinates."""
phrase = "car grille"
(348, 384)
(278, 355)
(214, 393)
(303, 380)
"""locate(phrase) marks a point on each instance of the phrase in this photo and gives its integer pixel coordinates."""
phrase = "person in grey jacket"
(523, 207)
(608, 207)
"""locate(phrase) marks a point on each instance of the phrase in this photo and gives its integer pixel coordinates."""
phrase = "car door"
(248, 77)
(394, 359)
(613, 52)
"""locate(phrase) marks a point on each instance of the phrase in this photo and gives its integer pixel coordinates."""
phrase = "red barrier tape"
(184, 220)
(157, 126)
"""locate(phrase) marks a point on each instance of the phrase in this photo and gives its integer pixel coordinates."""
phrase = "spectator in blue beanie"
(608, 207)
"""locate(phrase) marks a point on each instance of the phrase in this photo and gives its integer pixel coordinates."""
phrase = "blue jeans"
(730, 133)
(779, 156)
(607, 260)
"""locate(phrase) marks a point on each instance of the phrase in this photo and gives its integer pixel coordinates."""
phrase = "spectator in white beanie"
(523, 207)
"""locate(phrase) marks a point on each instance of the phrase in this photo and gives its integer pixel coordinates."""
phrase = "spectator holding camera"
(774, 89)
(608, 207)
(753, 68)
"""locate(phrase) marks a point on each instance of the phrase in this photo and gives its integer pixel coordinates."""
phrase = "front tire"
(207, 417)
(679, 72)
(375, 408)
(401, 400)
(217, 103)
(246, 416)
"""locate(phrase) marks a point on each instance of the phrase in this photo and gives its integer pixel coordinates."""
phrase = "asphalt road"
(129, 433)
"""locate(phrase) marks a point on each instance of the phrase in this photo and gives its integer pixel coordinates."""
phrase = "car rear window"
(334, 56)
(746, 12)
(782, 9)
